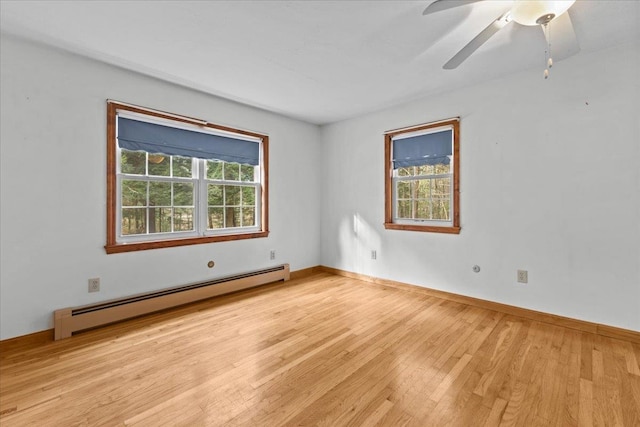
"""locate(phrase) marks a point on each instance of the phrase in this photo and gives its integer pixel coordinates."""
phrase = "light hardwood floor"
(323, 350)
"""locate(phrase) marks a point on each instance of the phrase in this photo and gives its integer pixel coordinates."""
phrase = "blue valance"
(136, 135)
(428, 149)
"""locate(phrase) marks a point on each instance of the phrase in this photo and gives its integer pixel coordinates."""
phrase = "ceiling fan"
(524, 12)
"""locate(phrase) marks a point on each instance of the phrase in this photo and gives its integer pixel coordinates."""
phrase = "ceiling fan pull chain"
(550, 60)
(547, 52)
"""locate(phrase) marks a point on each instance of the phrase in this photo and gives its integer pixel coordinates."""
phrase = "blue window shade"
(429, 149)
(135, 135)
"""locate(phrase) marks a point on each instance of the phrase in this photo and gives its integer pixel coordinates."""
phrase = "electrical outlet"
(272, 254)
(374, 254)
(523, 276)
(94, 285)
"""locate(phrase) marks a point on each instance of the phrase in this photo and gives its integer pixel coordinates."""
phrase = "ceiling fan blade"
(440, 5)
(477, 41)
(562, 37)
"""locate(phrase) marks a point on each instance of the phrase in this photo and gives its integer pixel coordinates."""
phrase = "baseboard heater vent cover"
(69, 320)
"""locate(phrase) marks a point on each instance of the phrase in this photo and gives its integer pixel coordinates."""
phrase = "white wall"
(550, 183)
(53, 187)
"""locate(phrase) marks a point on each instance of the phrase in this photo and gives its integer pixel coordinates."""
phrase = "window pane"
(404, 209)
(440, 169)
(441, 187)
(159, 165)
(232, 217)
(159, 220)
(423, 209)
(182, 194)
(405, 171)
(248, 217)
(134, 193)
(182, 166)
(134, 221)
(248, 196)
(422, 188)
(215, 195)
(231, 195)
(232, 171)
(425, 170)
(159, 194)
(404, 189)
(441, 209)
(183, 219)
(215, 218)
(247, 173)
(214, 169)
(133, 162)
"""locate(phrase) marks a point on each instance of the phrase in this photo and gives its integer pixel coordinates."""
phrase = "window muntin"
(157, 200)
(422, 176)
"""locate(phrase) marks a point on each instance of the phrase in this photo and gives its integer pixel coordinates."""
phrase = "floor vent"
(73, 319)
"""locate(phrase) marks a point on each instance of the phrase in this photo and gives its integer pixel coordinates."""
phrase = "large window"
(173, 181)
(422, 178)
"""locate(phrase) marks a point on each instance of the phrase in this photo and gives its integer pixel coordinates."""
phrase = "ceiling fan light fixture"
(537, 12)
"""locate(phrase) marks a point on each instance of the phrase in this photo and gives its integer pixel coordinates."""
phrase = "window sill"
(424, 228)
(159, 244)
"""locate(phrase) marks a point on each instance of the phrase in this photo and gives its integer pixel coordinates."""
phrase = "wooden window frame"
(113, 246)
(388, 179)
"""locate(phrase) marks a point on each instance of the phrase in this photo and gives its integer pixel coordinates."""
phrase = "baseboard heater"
(69, 320)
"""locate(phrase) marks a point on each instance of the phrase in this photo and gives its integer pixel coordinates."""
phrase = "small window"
(176, 181)
(422, 178)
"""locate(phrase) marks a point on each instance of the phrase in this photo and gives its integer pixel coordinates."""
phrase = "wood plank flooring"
(328, 351)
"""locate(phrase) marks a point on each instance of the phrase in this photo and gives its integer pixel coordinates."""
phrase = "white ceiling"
(318, 61)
